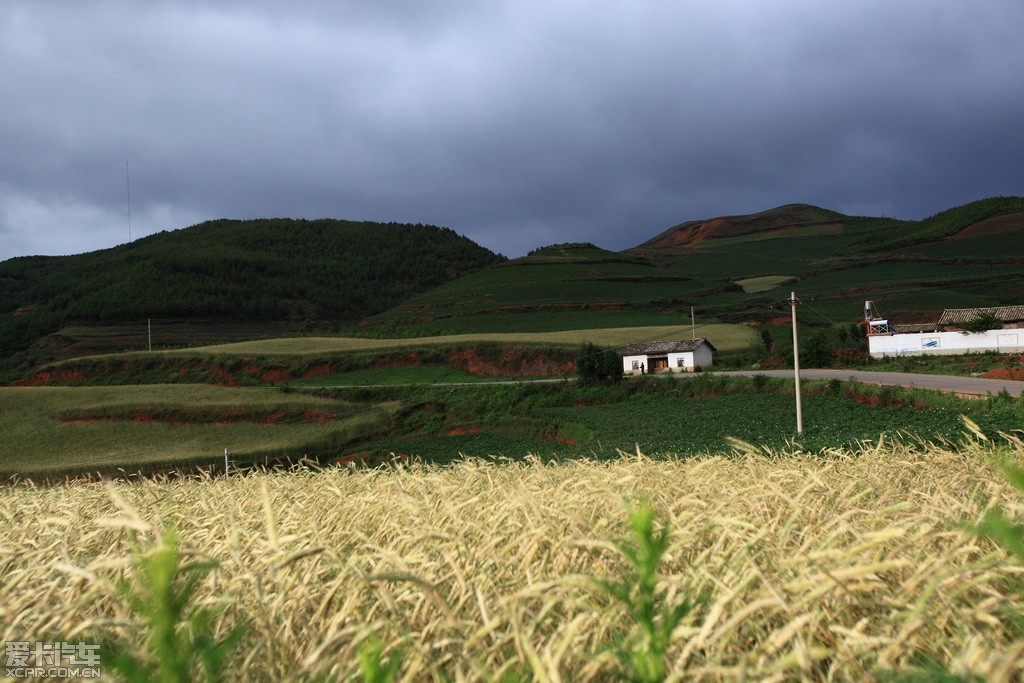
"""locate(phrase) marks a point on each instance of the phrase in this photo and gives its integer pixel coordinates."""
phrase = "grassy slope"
(411, 374)
(37, 440)
(725, 337)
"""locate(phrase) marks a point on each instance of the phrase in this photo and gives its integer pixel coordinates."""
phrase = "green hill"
(223, 280)
(736, 268)
(227, 281)
(574, 286)
(971, 255)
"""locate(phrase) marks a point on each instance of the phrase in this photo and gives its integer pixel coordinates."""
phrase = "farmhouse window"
(636, 365)
(680, 362)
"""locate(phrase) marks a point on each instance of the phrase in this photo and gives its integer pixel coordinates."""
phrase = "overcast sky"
(517, 123)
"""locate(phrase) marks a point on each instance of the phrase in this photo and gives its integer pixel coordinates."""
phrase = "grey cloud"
(516, 123)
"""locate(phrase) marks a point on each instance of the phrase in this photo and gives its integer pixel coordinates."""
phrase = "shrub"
(982, 323)
(760, 382)
(596, 364)
(817, 350)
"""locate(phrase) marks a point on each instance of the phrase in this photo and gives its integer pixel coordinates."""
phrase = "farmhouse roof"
(1008, 314)
(904, 328)
(659, 347)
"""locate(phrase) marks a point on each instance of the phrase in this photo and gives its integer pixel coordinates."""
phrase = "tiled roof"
(905, 328)
(1008, 314)
(658, 347)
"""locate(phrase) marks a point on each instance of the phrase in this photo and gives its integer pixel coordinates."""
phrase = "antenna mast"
(128, 190)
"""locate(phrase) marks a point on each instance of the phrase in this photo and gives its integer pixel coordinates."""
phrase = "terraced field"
(54, 430)
(725, 337)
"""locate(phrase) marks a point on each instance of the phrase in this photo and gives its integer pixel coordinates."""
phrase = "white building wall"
(702, 357)
(627, 364)
(680, 362)
(928, 343)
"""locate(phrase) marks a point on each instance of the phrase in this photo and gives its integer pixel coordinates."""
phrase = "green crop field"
(1008, 246)
(412, 374)
(549, 320)
(797, 252)
(518, 290)
(746, 260)
(898, 275)
(765, 283)
(674, 417)
(73, 429)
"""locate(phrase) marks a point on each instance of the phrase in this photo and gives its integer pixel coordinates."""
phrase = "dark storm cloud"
(516, 123)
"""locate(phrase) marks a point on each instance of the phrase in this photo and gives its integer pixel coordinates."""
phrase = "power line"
(681, 330)
(850, 335)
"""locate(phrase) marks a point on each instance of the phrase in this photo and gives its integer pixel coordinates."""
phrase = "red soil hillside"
(787, 218)
(997, 225)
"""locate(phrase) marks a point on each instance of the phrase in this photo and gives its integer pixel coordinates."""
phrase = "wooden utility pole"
(796, 367)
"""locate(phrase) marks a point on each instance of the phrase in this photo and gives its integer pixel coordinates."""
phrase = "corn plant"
(642, 651)
(181, 643)
(1010, 535)
(374, 666)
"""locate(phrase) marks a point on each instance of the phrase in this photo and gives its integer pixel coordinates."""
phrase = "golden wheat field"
(833, 566)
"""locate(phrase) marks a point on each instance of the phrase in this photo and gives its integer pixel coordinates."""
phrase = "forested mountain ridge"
(246, 270)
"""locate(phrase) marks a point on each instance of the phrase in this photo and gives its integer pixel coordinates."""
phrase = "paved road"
(977, 386)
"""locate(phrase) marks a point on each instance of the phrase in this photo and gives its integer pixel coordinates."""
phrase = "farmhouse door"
(659, 364)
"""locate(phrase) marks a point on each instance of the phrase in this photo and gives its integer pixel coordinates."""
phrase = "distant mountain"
(740, 268)
(791, 220)
(859, 234)
(316, 272)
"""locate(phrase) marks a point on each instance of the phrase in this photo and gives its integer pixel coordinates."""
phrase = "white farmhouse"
(667, 356)
(947, 336)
